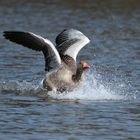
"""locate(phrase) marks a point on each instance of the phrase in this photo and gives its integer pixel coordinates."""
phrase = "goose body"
(66, 74)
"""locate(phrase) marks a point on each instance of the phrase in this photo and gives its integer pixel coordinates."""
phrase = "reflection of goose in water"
(67, 73)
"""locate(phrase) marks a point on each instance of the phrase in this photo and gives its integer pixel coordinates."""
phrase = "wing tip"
(87, 40)
(6, 34)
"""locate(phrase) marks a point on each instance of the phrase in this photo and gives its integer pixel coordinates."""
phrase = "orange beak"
(85, 66)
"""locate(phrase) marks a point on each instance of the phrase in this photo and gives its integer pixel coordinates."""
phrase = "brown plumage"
(64, 79)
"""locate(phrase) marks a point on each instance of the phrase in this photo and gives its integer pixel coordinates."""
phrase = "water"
(106, 105)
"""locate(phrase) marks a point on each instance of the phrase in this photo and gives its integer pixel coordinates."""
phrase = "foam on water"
(90, 89)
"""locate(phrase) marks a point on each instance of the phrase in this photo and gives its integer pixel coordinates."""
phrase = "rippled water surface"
(106, 105)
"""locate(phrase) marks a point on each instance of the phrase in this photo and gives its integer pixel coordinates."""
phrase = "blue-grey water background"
(106, 106)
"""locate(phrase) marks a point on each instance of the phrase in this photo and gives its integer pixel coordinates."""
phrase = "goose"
(66, 74)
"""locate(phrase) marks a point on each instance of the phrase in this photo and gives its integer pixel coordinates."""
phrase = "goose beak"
(86, 66)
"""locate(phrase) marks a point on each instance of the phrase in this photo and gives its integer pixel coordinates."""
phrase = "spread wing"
(35, 42)
(70, 42)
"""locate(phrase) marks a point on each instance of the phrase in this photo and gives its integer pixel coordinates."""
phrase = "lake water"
(107, 104)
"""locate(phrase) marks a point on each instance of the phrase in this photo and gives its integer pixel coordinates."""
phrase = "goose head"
(81, 67)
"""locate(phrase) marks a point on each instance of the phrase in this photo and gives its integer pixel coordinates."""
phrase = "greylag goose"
(67, 73)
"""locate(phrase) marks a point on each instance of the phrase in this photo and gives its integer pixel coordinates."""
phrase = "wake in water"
(14, 86)
(90, 89)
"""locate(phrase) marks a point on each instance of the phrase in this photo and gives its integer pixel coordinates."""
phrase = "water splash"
(90, 89)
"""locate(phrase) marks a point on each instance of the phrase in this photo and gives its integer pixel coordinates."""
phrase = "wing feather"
(70, 42)
(35, 42)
